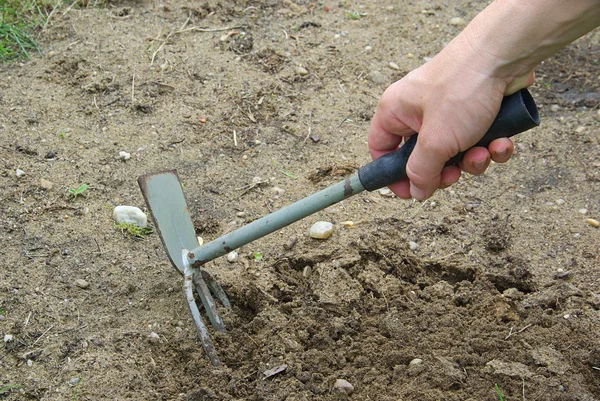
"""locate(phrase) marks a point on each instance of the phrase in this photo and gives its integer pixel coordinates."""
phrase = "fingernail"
(417, 193)
(501, 153)
(480, 165)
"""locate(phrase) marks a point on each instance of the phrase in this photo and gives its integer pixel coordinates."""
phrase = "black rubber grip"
(518, 113)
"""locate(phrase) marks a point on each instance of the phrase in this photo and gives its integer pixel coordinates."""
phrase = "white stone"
(276, 191)
(153, 337)
(344, 385)
(301, 71)
(368, 48)
(560, 201)
(554, 108)
(393, 66)
(81, 283)
(8, 338)
(413, 245)
(29, 363)
(457, 21)
(386, 192)
(233, 257)
(583, 210)
(124, 155)
(130, 215)
(19, 172)
(416, 361)
(580, 129)
(321, 230)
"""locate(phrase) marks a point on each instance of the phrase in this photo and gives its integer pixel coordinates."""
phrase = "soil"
(503, 286)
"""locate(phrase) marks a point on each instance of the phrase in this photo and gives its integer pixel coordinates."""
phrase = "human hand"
(451, 101)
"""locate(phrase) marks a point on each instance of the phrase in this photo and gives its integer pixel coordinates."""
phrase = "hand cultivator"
(164, 196)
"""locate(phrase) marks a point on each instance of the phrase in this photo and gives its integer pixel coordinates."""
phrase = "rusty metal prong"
(208, 302)
(216, 289)
(188, 291)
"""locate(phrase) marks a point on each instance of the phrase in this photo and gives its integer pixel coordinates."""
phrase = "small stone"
(45, 184)
(277, 192)
(416, 361)
(154, 338)
(291, 242)
(580, 129)
(321, 230)
(457, 21)
(368, 48)
(74, 381)
(81, 283)
(344, 385)
(257, 180)
(560, 201)
(577, 235)
(348, 224)
(393, 66)
(8, 338)
(130, 215)
(386, 192)
(413, 245)
(471, 206)
(593, 222)
(19, 173)
(29, 363)
(124, 155)
(598, 115)
(306, 273)
(409, 55)
(301, 71)
(583, 210)
(50, 155)
(315, 138)
(233, 257)
(200, 241)
(554, 108)
(376, 77)
(240, 214)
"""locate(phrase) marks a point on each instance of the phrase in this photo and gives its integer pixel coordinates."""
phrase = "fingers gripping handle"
(518, 113)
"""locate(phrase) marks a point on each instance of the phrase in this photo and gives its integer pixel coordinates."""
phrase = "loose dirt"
(503, 286)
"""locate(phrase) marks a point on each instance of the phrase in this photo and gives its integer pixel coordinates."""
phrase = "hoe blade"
(164, 197)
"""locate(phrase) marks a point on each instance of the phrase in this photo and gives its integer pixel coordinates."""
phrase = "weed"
(75, 192)
(257, 256)
(500, 396)
(5, 389)
(75, 391)
(134, 230)
(289, 175)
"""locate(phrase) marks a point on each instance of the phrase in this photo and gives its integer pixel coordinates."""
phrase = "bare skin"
(453, 99)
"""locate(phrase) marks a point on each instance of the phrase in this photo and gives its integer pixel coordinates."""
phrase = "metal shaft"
(275, 221)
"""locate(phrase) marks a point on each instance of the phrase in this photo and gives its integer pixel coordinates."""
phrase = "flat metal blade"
(164, 197)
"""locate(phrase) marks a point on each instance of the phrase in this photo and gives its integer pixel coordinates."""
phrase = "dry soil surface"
(501, 285)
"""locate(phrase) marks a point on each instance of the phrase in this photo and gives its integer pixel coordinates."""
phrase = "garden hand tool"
(164, 197)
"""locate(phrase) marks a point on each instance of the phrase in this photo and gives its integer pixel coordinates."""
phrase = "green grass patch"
(22, 20)
(133, 230)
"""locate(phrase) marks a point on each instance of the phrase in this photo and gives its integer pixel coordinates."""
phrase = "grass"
(500, 396)
(5, 389)
(18, 20)
(21, 20)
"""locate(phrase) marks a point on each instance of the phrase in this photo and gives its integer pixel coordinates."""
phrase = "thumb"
(435, 146)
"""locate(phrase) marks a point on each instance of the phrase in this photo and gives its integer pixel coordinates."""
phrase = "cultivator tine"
(208, 302)
(188, 291)
(216, 289)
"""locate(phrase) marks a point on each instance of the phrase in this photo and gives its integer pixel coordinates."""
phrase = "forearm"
(513, 36)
